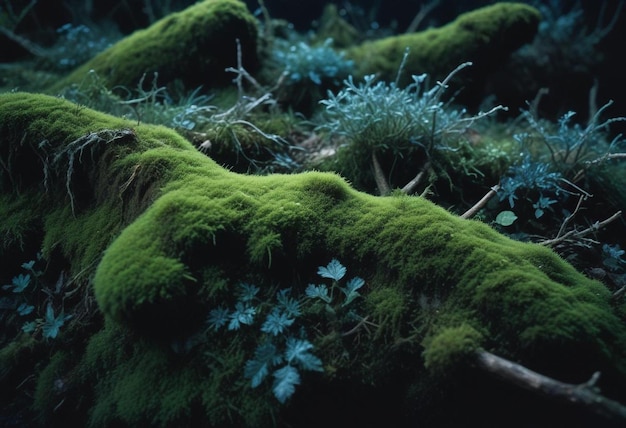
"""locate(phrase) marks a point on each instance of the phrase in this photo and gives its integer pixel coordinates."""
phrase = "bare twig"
(31, 47)
(473, 210)
(379, 176)
(580, 234)
(425, 9)
(411, 185)
(606, 157)
(585, 395)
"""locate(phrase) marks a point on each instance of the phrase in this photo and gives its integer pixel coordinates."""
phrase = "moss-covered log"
(195, 46)
(485, 36)
(169, 235)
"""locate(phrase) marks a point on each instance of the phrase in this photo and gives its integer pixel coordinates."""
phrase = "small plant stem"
(379, 176)
(573, 233)
(473, 210)
(411, 185)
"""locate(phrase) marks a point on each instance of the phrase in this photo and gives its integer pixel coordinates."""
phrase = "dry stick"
(411, 185)
(584, 395)
(473, 210)
(379, 176)
(607, 157)
(573, 233)
(425, 9)
(571, 216)
(30, 47)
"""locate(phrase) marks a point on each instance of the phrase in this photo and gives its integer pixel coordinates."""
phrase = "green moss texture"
(195, 45)
(484, 36)
(168, 234)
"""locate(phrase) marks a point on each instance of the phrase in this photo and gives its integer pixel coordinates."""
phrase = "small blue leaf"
(243, 314)
(334, 270)
(218, 317)
(290, 305)
(350, 289)
(285, 381)
(276, 322)
(19, 283)
(318, 291)
(265, 356)
(25, 309)
(297, 352)
(247, 292)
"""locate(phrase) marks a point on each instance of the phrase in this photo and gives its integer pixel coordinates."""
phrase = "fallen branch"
(473, 210)
(580, 234)
(411, 185)
(585, 395)
(27, 45)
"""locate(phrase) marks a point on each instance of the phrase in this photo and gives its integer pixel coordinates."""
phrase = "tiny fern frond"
(297, 352)
(318, 292)
(285, 381)
(265, 357)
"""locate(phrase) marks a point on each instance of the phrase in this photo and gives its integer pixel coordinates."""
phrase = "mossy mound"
(195, 45)
(182, 233)
(485, 36)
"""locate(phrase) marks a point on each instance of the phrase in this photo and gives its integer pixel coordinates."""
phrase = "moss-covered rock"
(195, 45)
(485, 36)
(181, 233)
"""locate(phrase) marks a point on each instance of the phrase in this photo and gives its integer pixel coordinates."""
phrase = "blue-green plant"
(528, 178)
(78, 43)
(290, 353)
(334, 271)
(304, 63)
(612, 257)
(283, 351)
(375, 118)
(571, 146)
(26, 288)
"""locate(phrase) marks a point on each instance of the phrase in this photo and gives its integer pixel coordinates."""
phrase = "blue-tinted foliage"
(243, 314)
(528, 175)
(318, 292)
(218, 318)
(52, 324)
(350, 290)
(612, 257)
(265, 357)
(317, 64)
(334, 270)
(18, 284)
(276, 322)
(290, 305)
(285, 381)
(297, 353)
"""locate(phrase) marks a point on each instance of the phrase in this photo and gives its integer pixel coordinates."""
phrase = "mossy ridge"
(205, 215)
(194, 45)
(483, 36)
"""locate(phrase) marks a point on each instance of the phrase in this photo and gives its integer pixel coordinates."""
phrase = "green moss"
(51, 385)
(194, 45)
(204, 229)
(484, 36)
(451, 346)
(387, 307)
